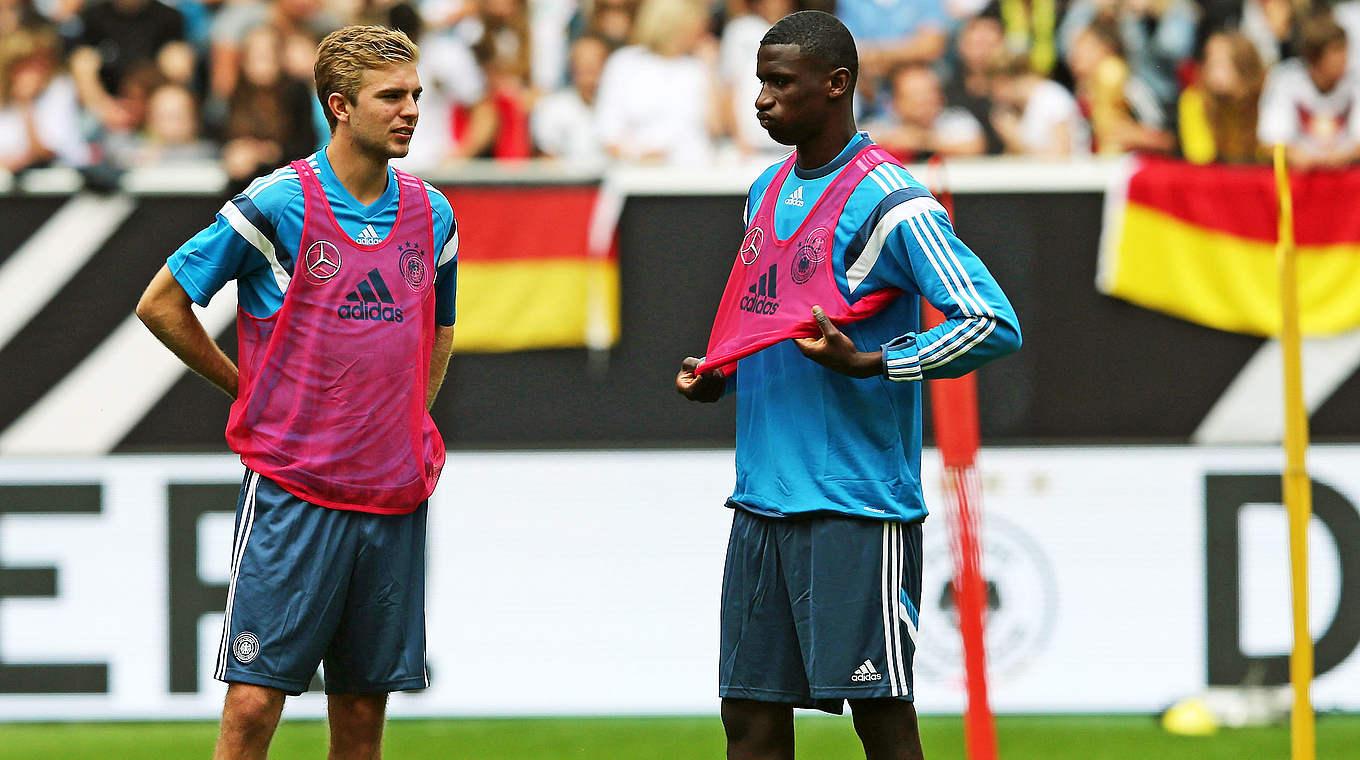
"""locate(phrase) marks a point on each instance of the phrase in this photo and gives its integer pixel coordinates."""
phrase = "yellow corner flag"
(1298, 495)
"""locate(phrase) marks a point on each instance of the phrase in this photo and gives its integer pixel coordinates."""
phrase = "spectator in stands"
(980, 44)
(297, 22)
(656, 99)
(269, 115)
(171, 133)
(1156, 37)
(453, 83)
(19, 14)
(441, 15)
(39, 112)
(1036, 116)
(1218, 113)
(1310, 102)
(610, 20)
(737, 73)
(118, 37)
(892, 33)
(504, 51)
(1347, 16)
(60, 11)
(1124, 111)
(1270, 25)
(920, 126)
(1029, 27)
(563, 122)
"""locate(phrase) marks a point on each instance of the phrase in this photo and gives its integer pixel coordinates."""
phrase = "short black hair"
(818, 35)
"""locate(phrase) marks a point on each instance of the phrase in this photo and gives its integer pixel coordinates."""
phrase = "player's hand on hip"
(707, 387)
(835, 351)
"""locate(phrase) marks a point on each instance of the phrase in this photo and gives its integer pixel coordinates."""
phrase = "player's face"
(384, 114)
(794, 102)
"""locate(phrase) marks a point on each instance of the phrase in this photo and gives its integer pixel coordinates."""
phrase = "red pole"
(954, 406)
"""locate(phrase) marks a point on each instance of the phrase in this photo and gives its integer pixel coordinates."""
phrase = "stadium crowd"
(117, 84)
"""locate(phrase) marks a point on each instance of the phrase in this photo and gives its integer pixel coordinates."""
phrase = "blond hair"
(345, 54)
(663, 25)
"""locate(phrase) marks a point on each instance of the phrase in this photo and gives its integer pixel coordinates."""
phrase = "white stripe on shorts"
(238, 551)
(895, 603)
(885, 565)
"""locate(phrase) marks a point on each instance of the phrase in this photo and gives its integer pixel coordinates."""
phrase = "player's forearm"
(167, 312)
(439, 362)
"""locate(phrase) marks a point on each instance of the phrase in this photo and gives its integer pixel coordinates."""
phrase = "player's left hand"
(837, 352)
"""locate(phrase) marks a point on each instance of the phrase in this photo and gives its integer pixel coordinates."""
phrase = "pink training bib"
(775, 283)
(332, 390)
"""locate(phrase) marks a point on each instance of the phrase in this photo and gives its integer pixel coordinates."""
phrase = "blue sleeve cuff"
(900, 360)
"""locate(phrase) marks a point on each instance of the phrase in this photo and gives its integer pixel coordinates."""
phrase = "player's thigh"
(290, 567)
(379, 645)
(863, 592)
(761, 657)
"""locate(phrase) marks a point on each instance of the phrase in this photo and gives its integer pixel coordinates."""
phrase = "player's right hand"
(706, 388)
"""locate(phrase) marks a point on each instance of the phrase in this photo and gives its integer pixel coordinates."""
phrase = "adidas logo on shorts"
(866, 672)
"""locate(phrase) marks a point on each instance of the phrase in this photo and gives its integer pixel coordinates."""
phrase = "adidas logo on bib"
(866, 672)
(371, 301)
(796, 199)
(761, 296)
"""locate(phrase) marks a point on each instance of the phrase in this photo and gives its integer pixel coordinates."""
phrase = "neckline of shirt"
(327, 175)
(848, 152)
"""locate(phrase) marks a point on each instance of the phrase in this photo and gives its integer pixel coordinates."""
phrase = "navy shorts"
(820, 610)
(312, 585)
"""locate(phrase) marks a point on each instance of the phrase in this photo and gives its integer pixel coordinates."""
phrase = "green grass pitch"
(822, 738)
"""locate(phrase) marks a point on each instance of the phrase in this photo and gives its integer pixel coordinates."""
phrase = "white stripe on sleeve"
(262, 243)
(449, 252)
(935, 250)
(873, 247)
(958, 266)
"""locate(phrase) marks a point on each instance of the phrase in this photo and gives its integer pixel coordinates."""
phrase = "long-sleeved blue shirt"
(810, 440)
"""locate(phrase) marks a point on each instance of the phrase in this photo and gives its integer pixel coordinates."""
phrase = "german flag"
(528, 277)
(1198, 242)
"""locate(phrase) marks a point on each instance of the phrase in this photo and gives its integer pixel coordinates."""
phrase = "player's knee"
(887, 728)
(755, 723)
(357, 717)
(252, 709)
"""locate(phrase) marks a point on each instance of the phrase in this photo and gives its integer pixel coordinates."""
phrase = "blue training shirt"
(263, 225)
(810, 440)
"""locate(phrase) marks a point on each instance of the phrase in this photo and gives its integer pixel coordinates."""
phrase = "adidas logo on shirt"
(761, 298)
(369, 236)
(796, 199)
(866, 672)
(371, 301)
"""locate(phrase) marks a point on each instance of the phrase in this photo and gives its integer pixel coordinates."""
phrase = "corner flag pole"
(1298, 495)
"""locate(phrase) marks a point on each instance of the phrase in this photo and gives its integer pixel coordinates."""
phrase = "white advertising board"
(1121, 579)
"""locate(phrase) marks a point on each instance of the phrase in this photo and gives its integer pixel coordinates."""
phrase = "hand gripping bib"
(775, 283)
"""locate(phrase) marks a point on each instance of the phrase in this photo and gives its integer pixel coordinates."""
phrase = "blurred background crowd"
(118, 84)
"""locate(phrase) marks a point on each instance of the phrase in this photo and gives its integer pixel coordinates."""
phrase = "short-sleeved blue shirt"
(263, 225)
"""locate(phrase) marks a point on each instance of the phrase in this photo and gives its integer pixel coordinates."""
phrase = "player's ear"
(838, 84)
(339, 106)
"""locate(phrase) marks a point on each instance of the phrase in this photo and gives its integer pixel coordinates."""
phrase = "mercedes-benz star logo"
(322, 260)
(750, 247)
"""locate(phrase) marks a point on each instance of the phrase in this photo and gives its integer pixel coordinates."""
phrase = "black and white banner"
(81, 376)
(1120, 579)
